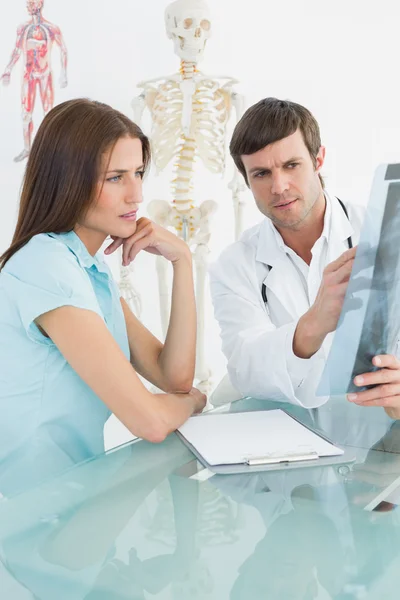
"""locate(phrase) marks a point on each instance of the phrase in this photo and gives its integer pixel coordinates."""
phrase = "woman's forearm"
(177, 358)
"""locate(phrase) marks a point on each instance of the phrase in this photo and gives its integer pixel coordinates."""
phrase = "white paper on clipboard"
(237, 438)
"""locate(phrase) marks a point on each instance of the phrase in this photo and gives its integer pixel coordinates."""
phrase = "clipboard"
(196, 436)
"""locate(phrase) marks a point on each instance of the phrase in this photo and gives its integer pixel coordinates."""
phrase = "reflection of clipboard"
(258, 441)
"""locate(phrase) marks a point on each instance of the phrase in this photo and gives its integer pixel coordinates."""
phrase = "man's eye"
(139, 174)
(260, 174)
(292, 165)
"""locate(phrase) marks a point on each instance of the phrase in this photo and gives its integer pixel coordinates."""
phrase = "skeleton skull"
(188, 24)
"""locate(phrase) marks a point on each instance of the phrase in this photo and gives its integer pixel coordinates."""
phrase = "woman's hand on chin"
(152, 238)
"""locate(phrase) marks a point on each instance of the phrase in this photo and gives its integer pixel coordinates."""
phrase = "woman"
(70, 346)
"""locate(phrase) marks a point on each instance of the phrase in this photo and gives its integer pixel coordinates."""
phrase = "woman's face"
(119, 192)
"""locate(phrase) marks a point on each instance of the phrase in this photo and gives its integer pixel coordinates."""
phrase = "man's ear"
(320, 159)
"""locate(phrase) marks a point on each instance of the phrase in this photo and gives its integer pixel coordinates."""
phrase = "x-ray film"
(370, 320)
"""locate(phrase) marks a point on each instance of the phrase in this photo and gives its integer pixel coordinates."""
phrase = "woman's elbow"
(158, 428)
(156, 435)
(156, 432)
(179, 384)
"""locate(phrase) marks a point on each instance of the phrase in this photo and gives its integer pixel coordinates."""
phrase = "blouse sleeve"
(42, 277)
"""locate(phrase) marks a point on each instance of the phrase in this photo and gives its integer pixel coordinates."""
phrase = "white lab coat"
(256, 337)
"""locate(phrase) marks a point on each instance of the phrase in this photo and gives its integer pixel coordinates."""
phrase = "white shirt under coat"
(257, 338)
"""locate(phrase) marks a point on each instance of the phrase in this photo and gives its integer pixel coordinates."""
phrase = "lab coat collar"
(271, 248)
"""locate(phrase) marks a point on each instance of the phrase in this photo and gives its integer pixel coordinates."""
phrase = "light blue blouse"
(49, 418)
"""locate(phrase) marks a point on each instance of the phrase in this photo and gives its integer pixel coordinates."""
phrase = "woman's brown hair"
(63, 169)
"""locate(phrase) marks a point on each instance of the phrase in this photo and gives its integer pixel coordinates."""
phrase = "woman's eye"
(115, 179)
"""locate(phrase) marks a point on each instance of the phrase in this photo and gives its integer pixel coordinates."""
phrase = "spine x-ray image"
(370, 320)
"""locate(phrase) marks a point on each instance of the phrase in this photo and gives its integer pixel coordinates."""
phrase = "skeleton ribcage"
(210, 113)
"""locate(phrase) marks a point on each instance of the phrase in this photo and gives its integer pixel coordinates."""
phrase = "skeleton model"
(189, 113)
(34, 41)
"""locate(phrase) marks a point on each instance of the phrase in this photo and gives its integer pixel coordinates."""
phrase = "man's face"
(284, 180)
(34, 6)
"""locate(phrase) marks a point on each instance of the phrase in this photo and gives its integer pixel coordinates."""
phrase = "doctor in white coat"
(278, 291)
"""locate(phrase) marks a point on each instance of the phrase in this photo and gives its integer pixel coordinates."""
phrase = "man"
(278, 291)
(34, 41)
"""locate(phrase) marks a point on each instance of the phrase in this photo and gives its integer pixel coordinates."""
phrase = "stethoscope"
(349, 242)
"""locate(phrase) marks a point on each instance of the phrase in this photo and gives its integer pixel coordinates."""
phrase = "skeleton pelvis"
(186, 223)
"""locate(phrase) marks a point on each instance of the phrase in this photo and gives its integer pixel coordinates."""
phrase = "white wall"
(339, 59)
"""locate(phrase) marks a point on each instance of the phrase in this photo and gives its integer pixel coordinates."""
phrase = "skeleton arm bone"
(138, 105)
(236, 184)
(145, 98)
(238, 104)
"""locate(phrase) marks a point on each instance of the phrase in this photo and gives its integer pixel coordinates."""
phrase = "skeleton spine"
(187, 69)
(184, 167)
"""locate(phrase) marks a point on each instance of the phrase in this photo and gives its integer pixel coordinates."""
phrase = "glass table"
(147, 521)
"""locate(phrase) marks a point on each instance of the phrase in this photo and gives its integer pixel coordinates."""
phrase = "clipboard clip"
(276, 457)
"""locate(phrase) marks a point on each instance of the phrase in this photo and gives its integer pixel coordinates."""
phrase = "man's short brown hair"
(271, 120)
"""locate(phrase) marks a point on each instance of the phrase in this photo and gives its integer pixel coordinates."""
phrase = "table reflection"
(136, 523)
